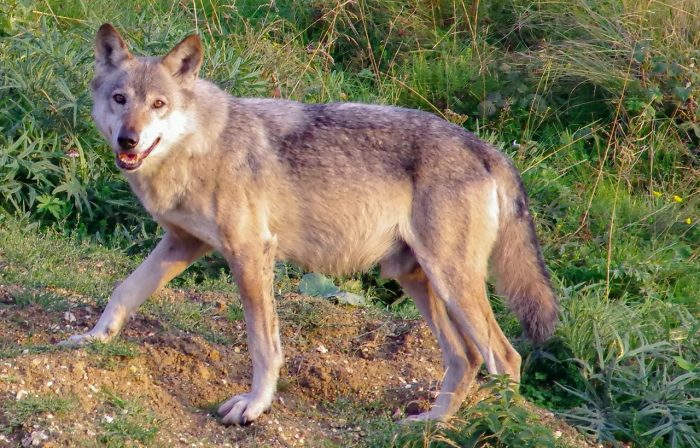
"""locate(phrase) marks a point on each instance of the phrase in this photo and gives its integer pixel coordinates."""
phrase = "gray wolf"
(333, 187)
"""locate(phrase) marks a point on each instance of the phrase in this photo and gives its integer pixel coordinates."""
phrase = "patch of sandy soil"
(338, 359)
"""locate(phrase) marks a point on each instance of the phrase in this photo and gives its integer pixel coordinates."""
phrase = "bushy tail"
(517, 264)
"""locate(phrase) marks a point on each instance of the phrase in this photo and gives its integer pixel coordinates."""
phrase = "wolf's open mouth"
(130, 161)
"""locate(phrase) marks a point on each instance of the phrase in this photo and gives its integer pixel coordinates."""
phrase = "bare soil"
(344, 366)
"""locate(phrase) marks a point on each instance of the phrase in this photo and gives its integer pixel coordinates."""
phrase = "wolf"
(336, 188)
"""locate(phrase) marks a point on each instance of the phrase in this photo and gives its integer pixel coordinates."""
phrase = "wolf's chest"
(197, 223)
(171, 204)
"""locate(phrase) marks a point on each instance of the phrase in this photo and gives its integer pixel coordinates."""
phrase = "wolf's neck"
(163, 189)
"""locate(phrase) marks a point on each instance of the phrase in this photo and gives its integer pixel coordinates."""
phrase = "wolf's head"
(142, 104)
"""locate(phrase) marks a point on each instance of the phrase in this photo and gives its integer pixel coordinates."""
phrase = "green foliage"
(547, 371)
(235, 312)
(115, 349)
(19, 412)
(496, 421)
(643, 394)
(43, 299)
(187, 316)
(129, 425)
(12, 350)
(318, 285)
(641, 371)
(46, 258)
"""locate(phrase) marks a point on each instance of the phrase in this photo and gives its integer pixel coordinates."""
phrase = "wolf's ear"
(185, 60)
(110, 49)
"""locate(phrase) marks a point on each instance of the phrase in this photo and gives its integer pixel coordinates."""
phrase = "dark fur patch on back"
(479, 148)
(320, 116)
(379, 142)
(520, 207)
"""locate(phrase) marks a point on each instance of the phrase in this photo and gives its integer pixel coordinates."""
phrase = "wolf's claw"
(79, 340)
(243, 409)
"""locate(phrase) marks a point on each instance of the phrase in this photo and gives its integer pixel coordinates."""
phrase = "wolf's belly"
(343, 241)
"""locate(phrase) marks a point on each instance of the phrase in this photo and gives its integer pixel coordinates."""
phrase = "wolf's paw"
(243, 409)
(79, 340)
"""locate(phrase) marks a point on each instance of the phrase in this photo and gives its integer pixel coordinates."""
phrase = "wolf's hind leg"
(252, 268)
(461, 358)
(452, 245)
(173, 254)
(463, 294)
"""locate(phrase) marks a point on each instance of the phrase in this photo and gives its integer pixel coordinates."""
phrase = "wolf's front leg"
(171, 256)
(252, 268)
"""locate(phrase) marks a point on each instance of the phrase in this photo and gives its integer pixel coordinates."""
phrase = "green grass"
(189, 317)
(18, 412)
(11, 350)
(596, 101)
(48, 258)
(128, 424)
(110, 353)
(118, 349)
(499, 420)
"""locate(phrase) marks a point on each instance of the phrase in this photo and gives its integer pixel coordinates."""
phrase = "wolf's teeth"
(128, 157)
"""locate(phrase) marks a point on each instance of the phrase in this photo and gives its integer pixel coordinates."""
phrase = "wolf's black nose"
(128, 139)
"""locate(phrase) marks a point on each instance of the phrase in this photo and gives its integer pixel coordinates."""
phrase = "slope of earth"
(349, 374)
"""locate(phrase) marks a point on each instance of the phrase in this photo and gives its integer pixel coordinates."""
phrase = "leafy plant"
(641, 376)
(496, 421)
(317, 285)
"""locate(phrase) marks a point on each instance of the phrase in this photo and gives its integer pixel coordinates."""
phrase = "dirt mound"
(159, 386)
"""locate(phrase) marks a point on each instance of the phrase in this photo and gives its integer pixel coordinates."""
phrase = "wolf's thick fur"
(333, 187)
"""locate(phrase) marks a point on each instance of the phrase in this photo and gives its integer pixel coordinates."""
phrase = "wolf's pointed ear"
(110, 49)
(185, 60)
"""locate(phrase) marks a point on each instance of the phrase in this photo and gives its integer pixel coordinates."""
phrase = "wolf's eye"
(157, 104)
(119, 98)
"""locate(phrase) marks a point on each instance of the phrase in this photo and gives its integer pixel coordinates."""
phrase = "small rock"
(21, 394)
(107, 419)
(340, 423)
(69, 317)
(322, 348)
(35, 438)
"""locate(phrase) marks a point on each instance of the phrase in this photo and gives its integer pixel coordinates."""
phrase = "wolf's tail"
(517, 264)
